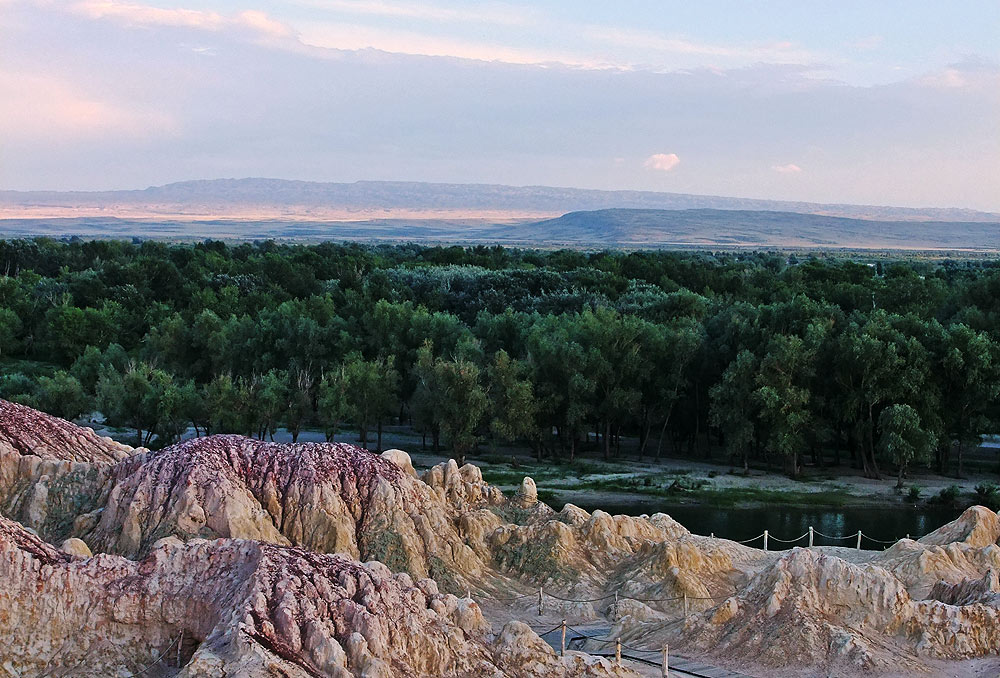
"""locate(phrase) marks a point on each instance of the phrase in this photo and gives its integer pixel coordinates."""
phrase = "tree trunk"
(870, 447)
(697, 414)
(961, 448)
(378, 447)
(874, 462)
(607, 440)
(572, 449)
(645, 437)
(643, 432)
(899, 478)
(663, 430)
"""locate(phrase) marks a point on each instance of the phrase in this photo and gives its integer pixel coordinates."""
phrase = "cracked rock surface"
(227, 556)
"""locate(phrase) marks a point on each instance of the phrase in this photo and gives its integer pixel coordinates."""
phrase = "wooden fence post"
(562, 650)
(539, 601)
(666, 662)
(685, 607)
(618, 651)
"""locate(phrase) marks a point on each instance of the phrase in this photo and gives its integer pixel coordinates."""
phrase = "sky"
(888, 103)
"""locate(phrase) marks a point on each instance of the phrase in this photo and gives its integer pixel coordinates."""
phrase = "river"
(886, 524)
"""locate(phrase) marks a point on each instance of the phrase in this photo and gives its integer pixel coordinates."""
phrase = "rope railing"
(790, 541)
(812, 533)
(585, 600)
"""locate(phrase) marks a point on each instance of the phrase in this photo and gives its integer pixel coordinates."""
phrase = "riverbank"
(673, 482)
(687, 482)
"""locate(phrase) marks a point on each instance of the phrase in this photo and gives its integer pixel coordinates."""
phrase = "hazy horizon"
(896, 104)
(485, 184)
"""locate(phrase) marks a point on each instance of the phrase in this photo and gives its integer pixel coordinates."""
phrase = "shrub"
(914, 494)
(948, 495)
(988, 494)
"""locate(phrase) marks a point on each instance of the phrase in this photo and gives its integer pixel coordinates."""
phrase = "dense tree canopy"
(765, 357)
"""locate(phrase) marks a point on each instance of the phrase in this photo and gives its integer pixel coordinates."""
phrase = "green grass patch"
(736, 496)
(506, 473)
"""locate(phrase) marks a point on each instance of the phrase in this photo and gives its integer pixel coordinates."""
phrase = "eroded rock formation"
(248, 608)
(225, 555)
(52, 471)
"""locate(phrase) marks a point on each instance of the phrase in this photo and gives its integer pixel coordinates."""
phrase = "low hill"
(746, 228)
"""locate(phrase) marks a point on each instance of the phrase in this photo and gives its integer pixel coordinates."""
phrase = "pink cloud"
(132, 14)
(790, 168)
(663, 162)
(144, 15)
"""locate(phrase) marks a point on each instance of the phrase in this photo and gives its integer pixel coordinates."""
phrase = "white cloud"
(664, 162)
(632, 49)
(971, 74)
(330, 35)
(132, 14)
(262, 23)
(144, 15)
(483, 13)
(790, 168)
(774, 52)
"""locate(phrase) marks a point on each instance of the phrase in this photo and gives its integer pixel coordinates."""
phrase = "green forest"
(758, 358)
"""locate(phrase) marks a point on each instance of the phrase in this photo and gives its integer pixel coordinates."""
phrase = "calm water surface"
(788, 522)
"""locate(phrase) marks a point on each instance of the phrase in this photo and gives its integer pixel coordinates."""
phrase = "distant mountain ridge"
(222, 194)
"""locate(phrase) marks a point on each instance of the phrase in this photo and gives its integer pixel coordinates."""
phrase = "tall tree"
(783, 396)
(512, 400)
(373, 390)
(733, 410)
(332, 404)
(299, 387)
(901, 438)
(971, 386)
(270, 401)
(451, 393)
